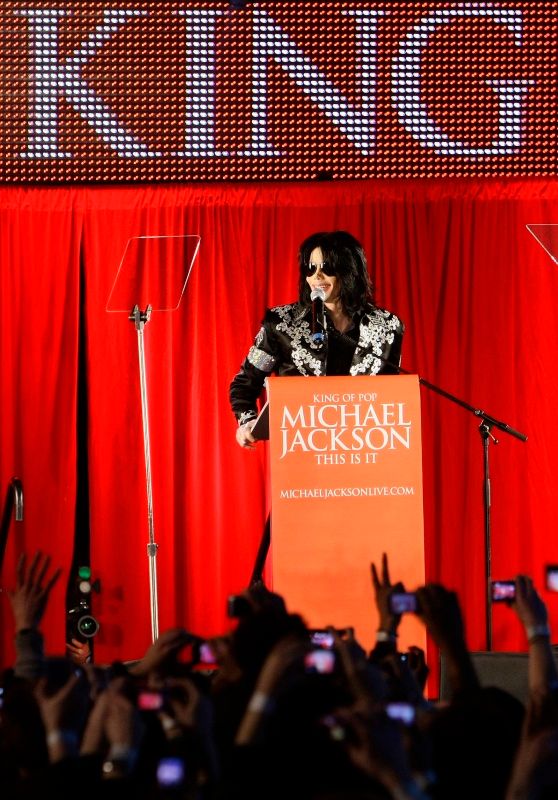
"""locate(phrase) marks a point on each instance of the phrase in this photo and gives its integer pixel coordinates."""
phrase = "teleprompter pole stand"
(140, 318)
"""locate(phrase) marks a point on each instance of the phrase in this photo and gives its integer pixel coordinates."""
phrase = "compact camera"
(500, 591)
(150, 700)
(403, 602)
(170, 772)
(320, 660)
(320, 637)
(403, 712)
(551, 571)
(205, 654)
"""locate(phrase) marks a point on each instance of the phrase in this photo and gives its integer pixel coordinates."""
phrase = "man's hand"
(441, 613)
(383, 589)
(528, 604)
(163, 653)
(33, 587)
(78, 652)
(244, 435)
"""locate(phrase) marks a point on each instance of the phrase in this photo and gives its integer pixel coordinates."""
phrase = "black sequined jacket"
(284, 346)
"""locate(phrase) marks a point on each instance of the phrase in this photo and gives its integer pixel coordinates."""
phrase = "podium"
(346, 485)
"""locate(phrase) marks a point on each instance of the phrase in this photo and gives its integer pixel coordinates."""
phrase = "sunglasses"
(324, 267)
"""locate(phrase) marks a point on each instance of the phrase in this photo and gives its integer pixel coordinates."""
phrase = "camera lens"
(87, 626)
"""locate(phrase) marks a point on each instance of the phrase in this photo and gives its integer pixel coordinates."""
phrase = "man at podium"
(335, 328)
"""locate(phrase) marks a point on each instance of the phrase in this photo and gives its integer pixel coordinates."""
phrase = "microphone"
(317, 296)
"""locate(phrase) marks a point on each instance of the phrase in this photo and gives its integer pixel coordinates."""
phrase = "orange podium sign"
(346, 486)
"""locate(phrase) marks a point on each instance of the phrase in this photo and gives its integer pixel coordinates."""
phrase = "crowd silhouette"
(280, 713)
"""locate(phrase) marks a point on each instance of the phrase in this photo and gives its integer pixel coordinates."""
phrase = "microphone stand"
(487, 422)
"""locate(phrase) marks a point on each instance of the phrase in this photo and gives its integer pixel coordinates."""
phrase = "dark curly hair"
(346, 256)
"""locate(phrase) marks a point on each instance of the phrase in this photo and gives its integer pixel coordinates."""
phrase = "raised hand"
(163, 652)
(531, 610)
(33, 586)
(383, 589)
(528, 604)
(63, 706)
(440, 611)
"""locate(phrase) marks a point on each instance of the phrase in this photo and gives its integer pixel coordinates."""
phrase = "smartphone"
(205, 653)
(320, 660)
(170, 772)
(403, 712)
(324, 638)
(402, 602)
(150, 700)
(502, 591)
(551, 571)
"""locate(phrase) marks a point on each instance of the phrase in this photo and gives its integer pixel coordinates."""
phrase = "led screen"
(275, 90)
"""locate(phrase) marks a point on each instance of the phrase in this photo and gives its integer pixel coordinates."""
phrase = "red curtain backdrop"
(453, 258)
